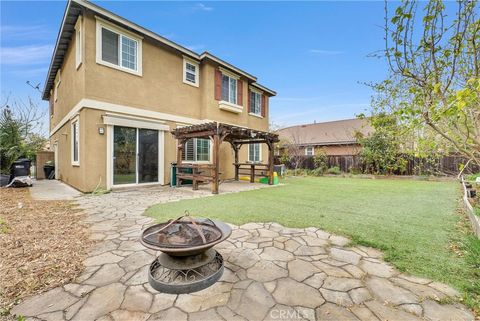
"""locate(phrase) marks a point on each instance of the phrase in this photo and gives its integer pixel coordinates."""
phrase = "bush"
(472, 177)
(335, 170)
(320, 161)
(318, 172)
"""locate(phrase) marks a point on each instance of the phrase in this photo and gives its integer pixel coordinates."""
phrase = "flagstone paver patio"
(271, 273)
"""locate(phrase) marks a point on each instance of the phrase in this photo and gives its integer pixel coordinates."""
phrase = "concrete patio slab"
(52, 190)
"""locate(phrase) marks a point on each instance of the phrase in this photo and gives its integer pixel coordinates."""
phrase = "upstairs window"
(190, 72)
(78, 42)
(254, 153)
(309, 151)
(118, 49)
(256, 103)
(197, 150)
(229, 89)
(58, 80)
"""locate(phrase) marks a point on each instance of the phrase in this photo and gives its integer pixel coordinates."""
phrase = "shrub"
(472, 177)
(335, 170)
(321, 161)
(318, 172)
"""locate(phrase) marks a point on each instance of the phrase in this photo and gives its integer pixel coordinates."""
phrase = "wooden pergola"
(219, 133)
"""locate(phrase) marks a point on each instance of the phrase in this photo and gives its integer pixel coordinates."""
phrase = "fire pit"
(188, 263)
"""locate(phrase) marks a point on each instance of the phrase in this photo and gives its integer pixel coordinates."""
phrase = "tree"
(293, 153)
(381, 149)
(434, 82)
(20, 132)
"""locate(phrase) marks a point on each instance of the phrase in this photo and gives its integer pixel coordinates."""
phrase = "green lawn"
(415, 223)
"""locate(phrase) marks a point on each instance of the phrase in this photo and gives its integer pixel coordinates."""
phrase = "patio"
(272, 272)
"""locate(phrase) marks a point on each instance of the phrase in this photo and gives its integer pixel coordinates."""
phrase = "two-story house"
(116, 90)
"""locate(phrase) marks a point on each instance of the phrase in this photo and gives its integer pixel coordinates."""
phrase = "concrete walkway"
(52, 190)
(272, 273)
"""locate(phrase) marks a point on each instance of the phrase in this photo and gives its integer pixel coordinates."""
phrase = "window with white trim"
(75, 142)
(78, 42)
(57, 84)
(309, 151)
(229, 89)
(190, 72)
(254, 153)
(118, 49)
(196, 150)
(256, 103)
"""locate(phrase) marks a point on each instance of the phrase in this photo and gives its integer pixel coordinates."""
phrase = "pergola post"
(216, 163)
(270, 162)
(179, 159)
(236, 148)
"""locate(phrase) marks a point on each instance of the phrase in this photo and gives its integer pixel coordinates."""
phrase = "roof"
(74, 9)
(339, 132)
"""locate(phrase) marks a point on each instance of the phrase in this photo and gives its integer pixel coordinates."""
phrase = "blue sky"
(314, 54)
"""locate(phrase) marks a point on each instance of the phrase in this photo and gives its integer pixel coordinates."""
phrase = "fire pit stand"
(188, 263)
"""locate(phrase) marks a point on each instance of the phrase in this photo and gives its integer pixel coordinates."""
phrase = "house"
(117, 90)
(335, 138)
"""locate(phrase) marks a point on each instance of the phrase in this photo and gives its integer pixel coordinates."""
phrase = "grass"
(416, 223)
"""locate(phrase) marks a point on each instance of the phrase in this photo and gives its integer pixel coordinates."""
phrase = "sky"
(315, 55)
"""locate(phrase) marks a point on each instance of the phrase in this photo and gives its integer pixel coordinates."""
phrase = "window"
(229, 89)
(75, 142)
(254, 153)
(190, 72)
(256, 103)
(197, 150)
(309, 151)
(57, 84)
(118, 49)
(78, 42)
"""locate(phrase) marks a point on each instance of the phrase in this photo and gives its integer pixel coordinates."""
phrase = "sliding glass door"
(147, 155)
(135, 155)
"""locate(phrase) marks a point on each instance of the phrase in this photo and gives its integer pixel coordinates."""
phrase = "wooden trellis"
(219, 133)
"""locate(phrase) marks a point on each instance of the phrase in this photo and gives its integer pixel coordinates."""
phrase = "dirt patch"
(42, 244)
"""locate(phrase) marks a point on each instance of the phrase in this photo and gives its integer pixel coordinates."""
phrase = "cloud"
(25, 55)
(25, 32)
(28, 72)
(318, 111)
(325, 52)
(201, 7)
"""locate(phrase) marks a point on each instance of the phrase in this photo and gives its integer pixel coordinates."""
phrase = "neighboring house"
(335, 138)
(116, 90)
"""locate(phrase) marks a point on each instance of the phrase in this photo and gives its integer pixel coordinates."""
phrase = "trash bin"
(49, 171)
(20, 167)
(173, 175)
(279, 169)
(4, 180)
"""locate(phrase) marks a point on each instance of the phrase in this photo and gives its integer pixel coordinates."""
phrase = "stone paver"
(271, 273)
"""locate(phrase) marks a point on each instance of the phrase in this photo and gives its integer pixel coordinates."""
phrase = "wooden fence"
(447, 165)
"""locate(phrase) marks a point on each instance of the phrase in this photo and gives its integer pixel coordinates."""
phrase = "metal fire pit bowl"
(164, 237)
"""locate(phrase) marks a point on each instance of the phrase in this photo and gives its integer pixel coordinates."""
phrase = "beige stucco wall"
(72, 86)
(160, 89)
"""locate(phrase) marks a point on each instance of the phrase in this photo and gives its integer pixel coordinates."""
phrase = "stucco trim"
(121, 120)
(115, 108)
